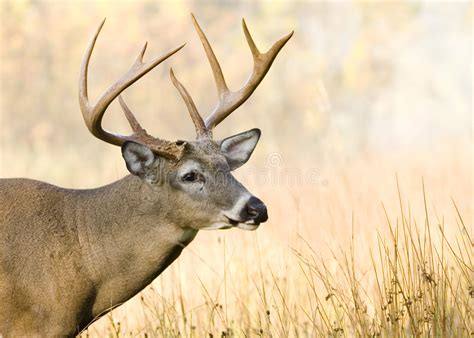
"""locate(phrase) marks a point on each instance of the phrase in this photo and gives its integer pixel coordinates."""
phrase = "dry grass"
(360, 255)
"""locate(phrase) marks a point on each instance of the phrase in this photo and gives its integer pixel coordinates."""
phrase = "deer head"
(194, 175)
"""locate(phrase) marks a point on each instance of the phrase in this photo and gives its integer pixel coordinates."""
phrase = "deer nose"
(256, 210)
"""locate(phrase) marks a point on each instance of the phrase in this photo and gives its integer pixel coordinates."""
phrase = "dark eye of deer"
(191, 177)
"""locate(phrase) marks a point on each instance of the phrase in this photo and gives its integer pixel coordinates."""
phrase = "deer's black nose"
(256, 210)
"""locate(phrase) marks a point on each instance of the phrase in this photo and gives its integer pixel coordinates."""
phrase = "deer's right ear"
(140, 160)
(238, 148)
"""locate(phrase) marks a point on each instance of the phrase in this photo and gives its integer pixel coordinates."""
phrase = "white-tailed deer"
(68, 256)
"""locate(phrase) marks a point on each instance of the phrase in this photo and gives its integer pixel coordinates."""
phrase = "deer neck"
(128, 237)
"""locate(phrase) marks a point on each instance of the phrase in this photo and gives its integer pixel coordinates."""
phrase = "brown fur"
(69, 256)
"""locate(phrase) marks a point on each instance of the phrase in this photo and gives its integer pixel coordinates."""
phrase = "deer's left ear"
(238, 148)
(140, 160)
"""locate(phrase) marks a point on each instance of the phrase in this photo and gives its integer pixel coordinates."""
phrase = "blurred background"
(357, 77)
(364, 91)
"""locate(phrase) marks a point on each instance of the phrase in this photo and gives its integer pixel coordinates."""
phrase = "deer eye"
(192, 176)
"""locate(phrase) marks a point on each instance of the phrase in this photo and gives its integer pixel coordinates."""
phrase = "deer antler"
(93, 114)
(228, 101)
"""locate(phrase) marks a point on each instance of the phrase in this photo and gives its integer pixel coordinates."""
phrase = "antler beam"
(93, 114)
(228, 101)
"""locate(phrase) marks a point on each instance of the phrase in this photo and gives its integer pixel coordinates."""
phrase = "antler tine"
(93, 114)
(139, 59)
(216, 68)
(201, 130)
(132, 120)
(229, 100)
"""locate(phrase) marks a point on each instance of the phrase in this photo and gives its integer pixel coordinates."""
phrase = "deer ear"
(140, 160)
(238, 148)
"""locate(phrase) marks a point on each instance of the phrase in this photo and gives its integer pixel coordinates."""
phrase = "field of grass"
(379, 247)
